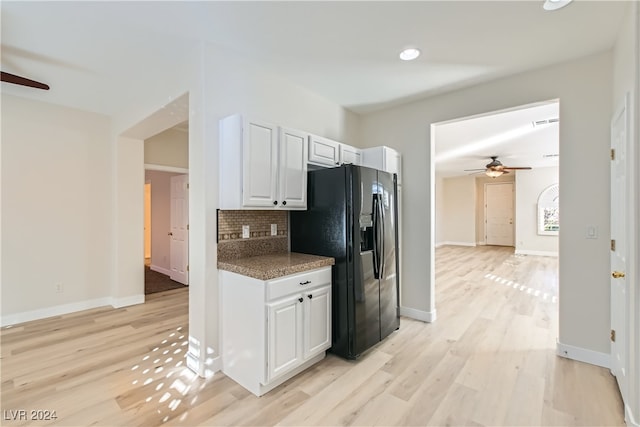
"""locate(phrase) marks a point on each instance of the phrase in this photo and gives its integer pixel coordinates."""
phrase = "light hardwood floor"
(489, 359)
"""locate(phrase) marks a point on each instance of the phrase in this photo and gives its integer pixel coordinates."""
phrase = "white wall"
(459, 215)
(529, 185)
(584, 89)
(626, 80)
(168, 148)
(160, 218)
(56, 209)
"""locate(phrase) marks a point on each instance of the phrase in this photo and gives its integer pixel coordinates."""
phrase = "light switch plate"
(274, 229)
(245, 231)
(591, 232)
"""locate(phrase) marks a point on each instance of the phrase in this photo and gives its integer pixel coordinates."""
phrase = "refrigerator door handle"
(376, 225)
(382, 236)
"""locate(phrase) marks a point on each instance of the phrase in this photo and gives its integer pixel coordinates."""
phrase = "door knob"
(170, 234)
(617, 274)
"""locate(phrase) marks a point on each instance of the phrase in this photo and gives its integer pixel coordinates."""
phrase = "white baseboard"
(628, 417)
(439, 245)
(127, 301)
(583, 355)
(162, 270)
(423, 316)
(448, 243)
(59, 310)
(214, 365)
(537, 253)
(193, 363)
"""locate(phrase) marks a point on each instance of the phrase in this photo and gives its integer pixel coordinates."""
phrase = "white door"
(292, 169)
(179, 233)
(317, 321)
(147, 221)
(498, 199)
(284, 335)
(619, 127)
(260, 161)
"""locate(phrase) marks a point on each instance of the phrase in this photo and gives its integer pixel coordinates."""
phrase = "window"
(549, 211)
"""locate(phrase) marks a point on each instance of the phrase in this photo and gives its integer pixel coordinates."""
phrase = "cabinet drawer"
(298, 282)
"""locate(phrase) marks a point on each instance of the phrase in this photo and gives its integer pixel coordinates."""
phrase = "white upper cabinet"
(259, 164)
(292, 169)
(323, 151)
(350, 155)
(384, 159)
(262, 166)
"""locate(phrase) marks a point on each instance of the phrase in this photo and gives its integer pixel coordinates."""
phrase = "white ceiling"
(91, 53)
(469, 143)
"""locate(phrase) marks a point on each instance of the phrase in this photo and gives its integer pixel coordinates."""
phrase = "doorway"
(495, 211)
(147, 224)
(166, 171)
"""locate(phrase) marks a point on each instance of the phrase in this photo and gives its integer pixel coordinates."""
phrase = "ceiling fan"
(22, 81)
(495, 168)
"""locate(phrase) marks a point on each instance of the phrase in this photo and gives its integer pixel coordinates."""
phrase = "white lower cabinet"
(317, 321)
(284, 335)
(272, 330)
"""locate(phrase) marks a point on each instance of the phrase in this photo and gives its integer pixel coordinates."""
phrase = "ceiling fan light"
(494, 173)
(555, 4)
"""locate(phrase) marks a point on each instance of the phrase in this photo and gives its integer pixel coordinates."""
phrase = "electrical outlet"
(59, 288)
(274, 229)
(245, 231)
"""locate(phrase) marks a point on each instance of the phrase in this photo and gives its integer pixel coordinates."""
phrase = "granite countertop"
(267, 267)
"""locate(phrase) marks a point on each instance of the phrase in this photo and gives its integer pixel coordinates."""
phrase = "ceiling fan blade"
(471, 170)
(22, 81)
(517, 168)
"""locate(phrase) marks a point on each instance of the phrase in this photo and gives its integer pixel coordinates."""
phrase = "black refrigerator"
(352, 216)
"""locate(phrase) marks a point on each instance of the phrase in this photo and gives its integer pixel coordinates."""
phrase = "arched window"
(549, 211)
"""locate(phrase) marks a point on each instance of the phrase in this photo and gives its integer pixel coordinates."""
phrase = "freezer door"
(389, 316)
(366, 290)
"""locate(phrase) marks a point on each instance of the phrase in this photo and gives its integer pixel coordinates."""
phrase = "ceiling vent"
(537, 123)
(550, 156)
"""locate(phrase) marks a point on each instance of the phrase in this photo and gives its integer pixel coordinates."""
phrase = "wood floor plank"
(319, 405)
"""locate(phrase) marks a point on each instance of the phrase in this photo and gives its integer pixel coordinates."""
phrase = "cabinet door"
(323, 151)
(317, 321)
(284, 344)
(350, 155)
(384, 159)
(260, 161)
(293, 169)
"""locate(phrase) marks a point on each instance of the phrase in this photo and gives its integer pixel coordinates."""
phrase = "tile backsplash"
(230, 223)
(231, 245)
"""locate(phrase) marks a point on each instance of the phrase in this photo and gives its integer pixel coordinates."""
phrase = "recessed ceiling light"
(409, 54)
(555, 4)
